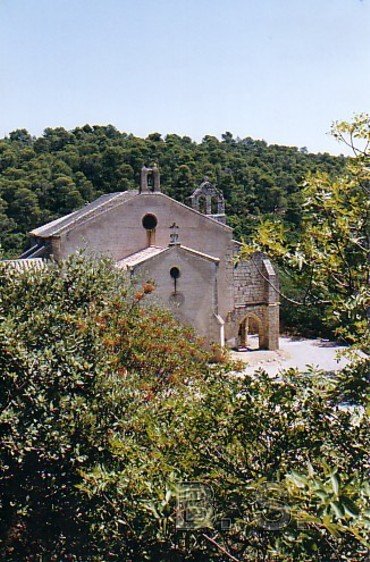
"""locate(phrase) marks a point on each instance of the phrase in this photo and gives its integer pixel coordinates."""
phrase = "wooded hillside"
(45, 177)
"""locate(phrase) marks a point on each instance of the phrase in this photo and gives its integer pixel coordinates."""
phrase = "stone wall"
(256, 296)
(249, 285)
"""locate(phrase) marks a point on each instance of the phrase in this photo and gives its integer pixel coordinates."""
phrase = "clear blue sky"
(281, 70)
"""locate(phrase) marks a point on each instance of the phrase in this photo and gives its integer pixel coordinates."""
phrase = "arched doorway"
(250, 332)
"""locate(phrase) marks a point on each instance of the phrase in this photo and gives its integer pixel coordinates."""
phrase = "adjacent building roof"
(33, 264)
(200, 254)
(152, 251)
(39, 250)
(139, 257)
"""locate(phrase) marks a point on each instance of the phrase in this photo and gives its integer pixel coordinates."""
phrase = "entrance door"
(250, 330)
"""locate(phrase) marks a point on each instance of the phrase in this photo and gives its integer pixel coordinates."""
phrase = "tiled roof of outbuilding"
(139, 257)
(151, 251)
(26, 264)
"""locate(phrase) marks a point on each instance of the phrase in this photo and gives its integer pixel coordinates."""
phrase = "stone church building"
(188, 251)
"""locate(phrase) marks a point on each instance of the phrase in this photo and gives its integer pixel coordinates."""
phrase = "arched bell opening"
(215, 205)
(202, 205)
(208, 200)
(150, 181)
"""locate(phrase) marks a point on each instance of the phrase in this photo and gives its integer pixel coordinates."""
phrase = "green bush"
(88, 380)
(107, 405)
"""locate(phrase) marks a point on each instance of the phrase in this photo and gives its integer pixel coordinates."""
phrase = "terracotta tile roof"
(32, 264)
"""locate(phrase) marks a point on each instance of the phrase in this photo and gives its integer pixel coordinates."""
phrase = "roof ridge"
(85, 213)
(190, 209)
(141, 255)
(202, 254)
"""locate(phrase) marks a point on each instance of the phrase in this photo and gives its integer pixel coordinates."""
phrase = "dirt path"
(294, 352)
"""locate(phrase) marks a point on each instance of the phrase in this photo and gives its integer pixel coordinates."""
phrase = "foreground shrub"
(107, 405)
(84, 371)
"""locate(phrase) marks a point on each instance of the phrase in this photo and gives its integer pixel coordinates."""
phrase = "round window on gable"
(175, 272)
(149, 222)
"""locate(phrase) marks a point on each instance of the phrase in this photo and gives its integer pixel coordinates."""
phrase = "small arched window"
(175, 272)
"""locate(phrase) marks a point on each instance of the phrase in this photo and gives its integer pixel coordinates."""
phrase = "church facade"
(187, 251)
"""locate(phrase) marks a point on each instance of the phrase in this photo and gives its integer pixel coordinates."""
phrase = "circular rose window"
(149, 222)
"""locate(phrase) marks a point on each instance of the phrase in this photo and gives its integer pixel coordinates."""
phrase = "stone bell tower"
(209, 200)
(150, 181)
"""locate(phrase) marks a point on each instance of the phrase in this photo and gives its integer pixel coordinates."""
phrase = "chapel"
(188, 251)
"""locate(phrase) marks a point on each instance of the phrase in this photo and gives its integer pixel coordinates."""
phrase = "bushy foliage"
(330, 257)
(107, 405)
(91, 383)
(308, 321)
(288, 464)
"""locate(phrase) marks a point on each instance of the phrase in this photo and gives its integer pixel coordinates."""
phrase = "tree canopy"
(107, 406)
(46, 177)
(330, 258)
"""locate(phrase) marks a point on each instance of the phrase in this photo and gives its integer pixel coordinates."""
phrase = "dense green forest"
(45, 177)
(110, 410)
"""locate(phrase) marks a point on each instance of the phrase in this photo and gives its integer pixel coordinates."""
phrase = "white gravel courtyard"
(294, 352)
